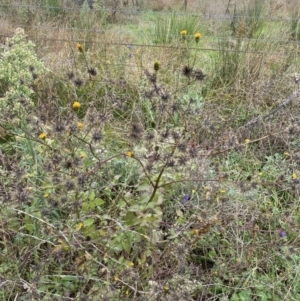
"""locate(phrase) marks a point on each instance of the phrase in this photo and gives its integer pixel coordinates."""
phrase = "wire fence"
(48, 36)
(131, 11)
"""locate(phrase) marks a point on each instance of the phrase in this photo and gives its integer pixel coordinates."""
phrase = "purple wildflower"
(186, 198)
(282, 233)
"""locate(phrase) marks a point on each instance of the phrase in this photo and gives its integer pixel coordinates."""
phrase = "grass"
(138, 164)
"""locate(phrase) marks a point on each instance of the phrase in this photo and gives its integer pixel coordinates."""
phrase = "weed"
(149, 173)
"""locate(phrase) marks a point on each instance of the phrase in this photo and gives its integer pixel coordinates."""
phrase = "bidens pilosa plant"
(66, 183)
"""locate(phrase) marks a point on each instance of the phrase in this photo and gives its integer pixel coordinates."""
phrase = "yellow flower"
(197, 37)
(294, 176)
(247, 141)
(76, 105)
(79, 125)
(130, 154)
(183, 33)
(260, 174)
(286, 154)
(42, 136)
(131, 264)
(195, 231)
(223, 191)
(79, 47)
(116, 278)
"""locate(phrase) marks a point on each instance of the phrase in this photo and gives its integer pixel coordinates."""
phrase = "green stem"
(156, 186)
(196, 51)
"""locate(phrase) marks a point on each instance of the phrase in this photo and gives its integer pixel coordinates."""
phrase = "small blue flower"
(186, 198)
(282, 233)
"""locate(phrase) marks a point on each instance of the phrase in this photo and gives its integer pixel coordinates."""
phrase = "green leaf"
(144, 187)
(88, 222)
(29, 227)
(92, 196)
(98, 202)
(126, 245)
(130, 218)
(85, 206)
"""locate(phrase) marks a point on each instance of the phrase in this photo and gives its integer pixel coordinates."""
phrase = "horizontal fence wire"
(155, 46)
(206, 37)
(218, 17)
(213, 43)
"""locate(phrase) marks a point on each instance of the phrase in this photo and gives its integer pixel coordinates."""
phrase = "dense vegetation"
(147, 153)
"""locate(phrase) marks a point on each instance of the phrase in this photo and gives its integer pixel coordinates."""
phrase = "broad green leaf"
(130, 218)
(88, 222)
(85, 206)
(98, 202)
(92, 196)
(126, 245)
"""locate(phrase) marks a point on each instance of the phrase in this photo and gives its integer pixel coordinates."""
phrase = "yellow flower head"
(42, 136)
(79, 125)
(76, 105)
(286, 154)
(247, 141)
(183, 33)
(195, 232)
(294, 176)
(79, 47)
(130, 154)
(131, 264)
(197, 37)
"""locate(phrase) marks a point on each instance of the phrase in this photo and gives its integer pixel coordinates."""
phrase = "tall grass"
(295, 29)
(248, 20)
(167, 27)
